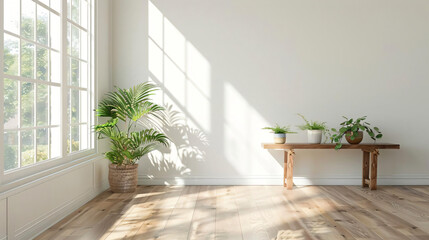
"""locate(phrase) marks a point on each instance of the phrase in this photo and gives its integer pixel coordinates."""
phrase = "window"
(47, 80)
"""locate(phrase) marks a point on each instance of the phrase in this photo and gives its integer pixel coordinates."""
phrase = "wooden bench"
(369, 163)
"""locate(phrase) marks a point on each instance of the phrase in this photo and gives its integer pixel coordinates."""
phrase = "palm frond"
(132, 106)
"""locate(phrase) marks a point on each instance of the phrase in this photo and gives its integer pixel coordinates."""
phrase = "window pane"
(11, 16)
(84, 45)
(10, 150)
(55, 142)
(42, 105)
(11, 51)
(55, 67)
(75, 138)
(10, 104)
(83, 107)
(74, 106)
(42, 25)
(75, 41)
(56, 5)
(55, 31)
(27, 19)
(75, 11)
(42, 144)
(27, 104)
(68, 38)
(84, 13)
(55, 105)
(83, 137)
(68, 8)
(83, 74)
(27, 147)
(27, 59)
(74, 72)
(42, 63)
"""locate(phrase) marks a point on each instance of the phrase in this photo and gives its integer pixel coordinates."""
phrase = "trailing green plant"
(278, 129)
(126, 109)
(311, 125)
(350, 128)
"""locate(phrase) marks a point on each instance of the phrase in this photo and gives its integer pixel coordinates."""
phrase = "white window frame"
(37, 170)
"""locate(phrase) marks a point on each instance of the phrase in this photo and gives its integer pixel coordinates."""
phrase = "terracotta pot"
(123, 179)
(357, 139)
(279, 138)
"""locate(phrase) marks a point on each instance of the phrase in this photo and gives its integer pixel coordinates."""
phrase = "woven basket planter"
(123, 179)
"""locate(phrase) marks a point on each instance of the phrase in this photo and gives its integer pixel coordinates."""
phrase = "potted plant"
(128, 110)
(353, 131)
(279, 133)
(314, 130)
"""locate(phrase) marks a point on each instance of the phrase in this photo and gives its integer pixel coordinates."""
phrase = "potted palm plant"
(314, 130)
(127, 111)
(279, 133)
(353, 131)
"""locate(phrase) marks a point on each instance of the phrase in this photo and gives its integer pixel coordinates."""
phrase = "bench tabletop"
(330, 146)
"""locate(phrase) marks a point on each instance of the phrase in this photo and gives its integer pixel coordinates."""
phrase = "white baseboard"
(355, 180)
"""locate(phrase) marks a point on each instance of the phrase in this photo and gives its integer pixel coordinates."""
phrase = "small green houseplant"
(279, 133)
(314, 129)
(353, 131)
(125, 109)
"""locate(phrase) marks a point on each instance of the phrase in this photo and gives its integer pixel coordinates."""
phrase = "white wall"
(233, 67)
(29, 208)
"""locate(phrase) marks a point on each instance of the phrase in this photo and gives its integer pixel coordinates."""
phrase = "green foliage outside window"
(30, 57)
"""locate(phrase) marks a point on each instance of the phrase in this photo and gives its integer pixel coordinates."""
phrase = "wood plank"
(289, 180)
(365, 168)
(309, 216)
(178, 225)
(330, 146)
(203, 225)
(228, 225)
(383, 217)
(285, 168)
(402, 208)
(253, 225)
(373, 174)
(283, 221)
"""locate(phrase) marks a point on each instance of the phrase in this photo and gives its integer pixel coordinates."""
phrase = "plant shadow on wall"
(184, 72)
(188, 145)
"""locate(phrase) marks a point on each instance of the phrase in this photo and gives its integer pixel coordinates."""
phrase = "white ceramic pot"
(279, 138)
(314, 136)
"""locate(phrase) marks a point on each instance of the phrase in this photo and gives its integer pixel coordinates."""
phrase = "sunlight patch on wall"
(181, 71)
(184, 77)
(243, 135)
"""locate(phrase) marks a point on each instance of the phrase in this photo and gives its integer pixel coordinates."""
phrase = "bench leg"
(285, 168)
(365, 168)
(289, 176)
(373, 177)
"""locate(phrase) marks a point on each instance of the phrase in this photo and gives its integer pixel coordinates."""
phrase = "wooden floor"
(251, 212)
